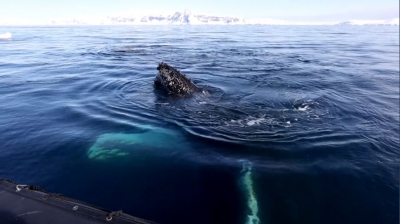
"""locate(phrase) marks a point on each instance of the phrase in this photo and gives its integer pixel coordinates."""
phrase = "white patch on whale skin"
(107, 145)
(252, 203)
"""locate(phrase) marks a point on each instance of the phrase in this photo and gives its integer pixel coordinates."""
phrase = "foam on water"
(303, 107)
(255, 121)
(249, 121)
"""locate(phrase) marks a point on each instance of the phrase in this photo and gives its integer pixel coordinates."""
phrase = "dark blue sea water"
(305, 117)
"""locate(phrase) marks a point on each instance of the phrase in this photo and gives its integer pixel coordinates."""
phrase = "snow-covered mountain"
(178, 18)
(185, 18)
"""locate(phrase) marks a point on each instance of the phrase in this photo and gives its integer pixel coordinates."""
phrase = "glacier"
(187, 17)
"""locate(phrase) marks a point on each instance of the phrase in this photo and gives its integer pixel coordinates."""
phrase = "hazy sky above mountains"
(298, 10)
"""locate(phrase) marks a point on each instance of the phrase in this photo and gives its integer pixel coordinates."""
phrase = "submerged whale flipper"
(252, 204)
(114, 145)
(173, 81)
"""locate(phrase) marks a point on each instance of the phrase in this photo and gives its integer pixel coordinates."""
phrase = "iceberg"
(5, 36)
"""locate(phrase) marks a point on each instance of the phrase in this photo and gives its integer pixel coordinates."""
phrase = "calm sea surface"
(300, 123)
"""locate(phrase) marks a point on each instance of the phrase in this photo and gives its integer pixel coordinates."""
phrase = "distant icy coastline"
(393, 22)
(183, 18)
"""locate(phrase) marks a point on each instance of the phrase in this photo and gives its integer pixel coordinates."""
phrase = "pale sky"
(305, 10)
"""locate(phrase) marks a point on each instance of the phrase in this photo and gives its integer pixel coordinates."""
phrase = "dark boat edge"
(31, 204)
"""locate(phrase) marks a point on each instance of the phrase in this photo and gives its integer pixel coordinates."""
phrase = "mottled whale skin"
(173, 81)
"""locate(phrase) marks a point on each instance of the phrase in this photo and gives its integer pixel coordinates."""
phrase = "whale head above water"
(173, 81)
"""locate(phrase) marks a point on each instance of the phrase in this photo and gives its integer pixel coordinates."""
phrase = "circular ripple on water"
(260, 105)
(221, 117)
(115, 102)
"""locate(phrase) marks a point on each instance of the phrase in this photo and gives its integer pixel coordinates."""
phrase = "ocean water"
(300, 124)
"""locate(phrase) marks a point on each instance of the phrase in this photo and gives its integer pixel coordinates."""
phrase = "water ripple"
(315, 109)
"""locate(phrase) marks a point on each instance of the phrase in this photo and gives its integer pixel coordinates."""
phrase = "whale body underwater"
(110, 146)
